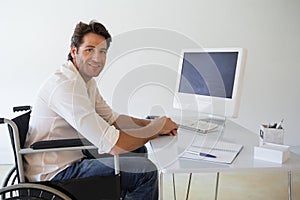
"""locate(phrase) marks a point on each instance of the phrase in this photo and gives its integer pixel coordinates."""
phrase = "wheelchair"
(15, 185)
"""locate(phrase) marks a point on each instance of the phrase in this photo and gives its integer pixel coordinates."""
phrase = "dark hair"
(82, 29)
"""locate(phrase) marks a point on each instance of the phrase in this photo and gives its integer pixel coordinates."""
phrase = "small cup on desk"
(271, 134)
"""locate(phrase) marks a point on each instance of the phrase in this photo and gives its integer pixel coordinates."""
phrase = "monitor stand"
(180, 116)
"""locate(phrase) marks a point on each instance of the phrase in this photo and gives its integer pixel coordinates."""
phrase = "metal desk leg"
(217, 185)
(189, 186)
(290, 185)
(174, 187)
(161, 184)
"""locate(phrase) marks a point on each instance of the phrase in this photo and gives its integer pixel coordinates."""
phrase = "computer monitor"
(209, 81)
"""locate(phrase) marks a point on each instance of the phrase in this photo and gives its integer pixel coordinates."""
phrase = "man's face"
(90, 57)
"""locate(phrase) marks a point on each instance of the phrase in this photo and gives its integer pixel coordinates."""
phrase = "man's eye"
(90, 50)
(103, 51)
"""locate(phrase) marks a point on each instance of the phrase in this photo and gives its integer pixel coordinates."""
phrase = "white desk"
(166, 152)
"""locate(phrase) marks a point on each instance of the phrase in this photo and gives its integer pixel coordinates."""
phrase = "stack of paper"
(214, 151)
(272, 152)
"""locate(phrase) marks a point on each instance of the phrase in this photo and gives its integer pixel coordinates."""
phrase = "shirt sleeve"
(70, 100)
(104, 110)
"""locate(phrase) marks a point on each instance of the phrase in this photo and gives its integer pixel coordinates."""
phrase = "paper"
(224, 152)
(272, 152)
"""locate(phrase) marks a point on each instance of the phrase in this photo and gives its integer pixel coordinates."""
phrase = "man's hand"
(167, 126)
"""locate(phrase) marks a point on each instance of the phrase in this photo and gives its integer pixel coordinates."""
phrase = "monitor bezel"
(216, 106)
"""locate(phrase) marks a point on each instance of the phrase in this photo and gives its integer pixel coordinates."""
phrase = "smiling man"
(90, 58)
(69, 105)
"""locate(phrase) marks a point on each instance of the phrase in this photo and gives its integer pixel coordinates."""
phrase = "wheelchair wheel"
(11, 178)
(30, 191)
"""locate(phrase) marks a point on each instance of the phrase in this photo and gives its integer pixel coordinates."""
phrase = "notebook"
(213, 151)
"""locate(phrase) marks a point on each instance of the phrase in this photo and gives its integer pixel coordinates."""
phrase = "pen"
(207, 155)
(279, 124)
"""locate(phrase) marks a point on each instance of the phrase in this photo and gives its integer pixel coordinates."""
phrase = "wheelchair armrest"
(49, 144)
(21, 108)
(65, 144)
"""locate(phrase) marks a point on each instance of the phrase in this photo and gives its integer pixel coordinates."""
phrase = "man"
(69, 105)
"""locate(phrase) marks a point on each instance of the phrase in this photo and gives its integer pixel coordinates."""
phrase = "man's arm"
(128, 122)
(134, 132)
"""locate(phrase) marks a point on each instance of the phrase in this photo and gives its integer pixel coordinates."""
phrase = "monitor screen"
(209, 80)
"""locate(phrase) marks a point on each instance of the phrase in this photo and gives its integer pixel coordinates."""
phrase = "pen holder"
(270, 135)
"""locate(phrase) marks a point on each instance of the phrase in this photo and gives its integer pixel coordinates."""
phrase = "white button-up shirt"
(66, 107)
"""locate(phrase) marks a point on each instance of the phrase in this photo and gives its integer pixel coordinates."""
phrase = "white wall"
(35, 39)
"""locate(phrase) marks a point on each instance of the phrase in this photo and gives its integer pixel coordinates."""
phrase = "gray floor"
(241, 185)
(235, 186)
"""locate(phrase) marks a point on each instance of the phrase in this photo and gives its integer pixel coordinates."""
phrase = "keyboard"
(198, 125)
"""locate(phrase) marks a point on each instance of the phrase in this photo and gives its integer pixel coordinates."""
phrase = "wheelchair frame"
(16, 187)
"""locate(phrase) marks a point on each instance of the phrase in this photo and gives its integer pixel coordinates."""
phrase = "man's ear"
(73, 52)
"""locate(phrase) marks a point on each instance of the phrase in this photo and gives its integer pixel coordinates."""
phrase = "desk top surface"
(166, 151)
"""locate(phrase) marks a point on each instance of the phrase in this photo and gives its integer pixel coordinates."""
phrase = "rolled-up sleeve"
(104, 110)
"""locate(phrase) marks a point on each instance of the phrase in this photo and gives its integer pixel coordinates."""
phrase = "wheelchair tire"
(31, 191)
(11, 178)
